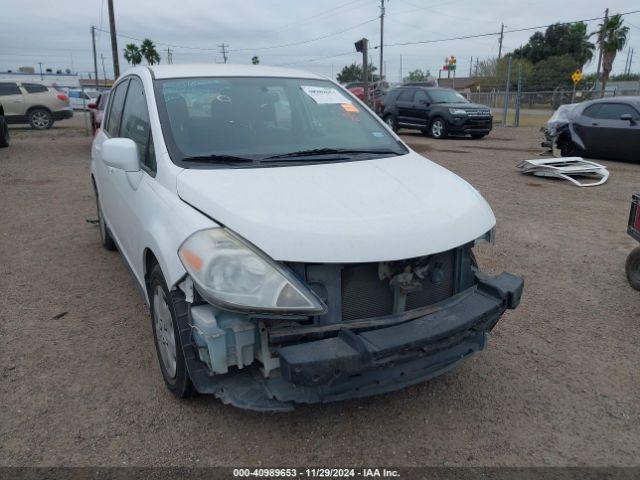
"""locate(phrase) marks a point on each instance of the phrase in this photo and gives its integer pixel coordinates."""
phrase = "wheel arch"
(38, 107)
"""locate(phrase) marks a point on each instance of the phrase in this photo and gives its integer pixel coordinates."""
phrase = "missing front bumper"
(362, 363)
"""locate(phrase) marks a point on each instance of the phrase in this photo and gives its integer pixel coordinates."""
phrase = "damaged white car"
(292, 249)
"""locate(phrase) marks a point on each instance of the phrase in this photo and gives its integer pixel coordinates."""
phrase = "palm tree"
(148, 51)
(612, 37)
(255, 60)
(132, 54)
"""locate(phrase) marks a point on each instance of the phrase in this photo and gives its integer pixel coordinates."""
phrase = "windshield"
(447, 96)
(258, 118)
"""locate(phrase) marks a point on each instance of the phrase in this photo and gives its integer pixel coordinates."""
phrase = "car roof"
(227, 70)
(627, 99)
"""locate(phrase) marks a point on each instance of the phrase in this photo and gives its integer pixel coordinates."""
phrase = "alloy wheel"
(40, 119)
(165, 336)
(437, 127)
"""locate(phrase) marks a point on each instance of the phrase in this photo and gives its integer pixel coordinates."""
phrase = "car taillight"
(62, 97)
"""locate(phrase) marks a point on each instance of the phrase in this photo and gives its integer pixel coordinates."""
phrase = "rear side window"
(592, 111)
(135, 122)
(34, 88)
(612, 111)
(406, 96)
(9, 89)
(115, 109)
(421, 96)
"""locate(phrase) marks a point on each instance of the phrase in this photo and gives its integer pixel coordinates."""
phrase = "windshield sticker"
(349, 107)
(378, 134)
(324, 95)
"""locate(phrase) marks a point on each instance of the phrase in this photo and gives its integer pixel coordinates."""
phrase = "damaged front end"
(382, 326)
(560, 136)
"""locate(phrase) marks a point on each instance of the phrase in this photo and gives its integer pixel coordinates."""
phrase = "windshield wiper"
(331, 151)
(221, 159)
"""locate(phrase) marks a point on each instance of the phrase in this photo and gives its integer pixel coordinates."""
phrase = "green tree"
(558, 40)
(493, 73)
(255, 60)
(132, 54)
(417, 76)
(611, 36)
(149, 52)
(353, 73)
(553, 72)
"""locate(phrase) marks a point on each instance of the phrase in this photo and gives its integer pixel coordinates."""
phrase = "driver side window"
(136, 125)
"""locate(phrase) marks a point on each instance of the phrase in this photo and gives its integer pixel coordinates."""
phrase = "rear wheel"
(164, 307)
(632, 268)
(438, 128)
(391, 121)
(4, 132)
(40, 119)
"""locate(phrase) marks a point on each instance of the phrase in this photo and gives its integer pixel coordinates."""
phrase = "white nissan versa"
(292, 249)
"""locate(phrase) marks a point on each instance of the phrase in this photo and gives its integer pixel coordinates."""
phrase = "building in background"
(48, 78)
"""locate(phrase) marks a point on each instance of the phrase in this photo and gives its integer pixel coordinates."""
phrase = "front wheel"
(632, 268)
(4, 132)
(40, 119)
(438, 128)
(105, 237)
(391, 121)
(165, 306)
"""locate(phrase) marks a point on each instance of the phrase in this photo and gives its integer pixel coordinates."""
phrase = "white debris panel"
(568, 168)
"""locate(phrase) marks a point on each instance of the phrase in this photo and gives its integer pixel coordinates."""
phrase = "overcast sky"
(57, 33)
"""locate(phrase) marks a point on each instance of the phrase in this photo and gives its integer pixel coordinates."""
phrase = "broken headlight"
(231, 273)
(489, 237)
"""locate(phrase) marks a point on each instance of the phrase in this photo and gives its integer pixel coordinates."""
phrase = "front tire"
(391, 121)
(40, 119)
(632, 268)
(164, 306)
(438, 128)
(105, 237)
(4, 132)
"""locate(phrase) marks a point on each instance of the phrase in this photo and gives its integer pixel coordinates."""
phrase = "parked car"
(4, 129)
(80, 99)
(606, 128)
(632, 266)
(32, 103)
(96, 110)
(438, 112)
(304, 259)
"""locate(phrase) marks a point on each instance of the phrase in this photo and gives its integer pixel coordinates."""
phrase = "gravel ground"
(558, 385)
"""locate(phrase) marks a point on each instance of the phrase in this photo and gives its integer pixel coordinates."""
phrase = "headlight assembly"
(489, 237)
(457, 111)
(232, 274)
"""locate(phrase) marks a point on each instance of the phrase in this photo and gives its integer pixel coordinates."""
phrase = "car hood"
(349, 212)
(462, 105)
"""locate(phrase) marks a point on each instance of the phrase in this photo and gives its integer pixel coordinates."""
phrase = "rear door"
(12, 99)
(420, 108)
(404, 104)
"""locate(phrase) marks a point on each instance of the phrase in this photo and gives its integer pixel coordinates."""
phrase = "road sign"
(576, 76)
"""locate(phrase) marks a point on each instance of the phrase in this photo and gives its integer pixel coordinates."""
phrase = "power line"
(489, 34)
(331, 10)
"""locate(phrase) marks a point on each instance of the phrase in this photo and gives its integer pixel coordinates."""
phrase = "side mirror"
(121, 153)
(92, 105)
(628, 117)
(426, 103)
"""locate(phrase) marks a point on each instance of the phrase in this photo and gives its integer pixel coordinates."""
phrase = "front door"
(11, 99)
(404, 104)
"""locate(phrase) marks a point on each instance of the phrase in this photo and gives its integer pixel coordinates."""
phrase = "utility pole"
(114, 42)
(477, 66)
(381, 39)
(600, 42)
(104, 71)
(362, 46)
(500, 41)
(470, 66)
(400, 68)
(506, 95)
(41, 77)
(626, 62)
(95, 57)
(631, 60)
(169, 56)
(223, 47)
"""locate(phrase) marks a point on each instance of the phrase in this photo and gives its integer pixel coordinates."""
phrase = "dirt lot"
(558, 385)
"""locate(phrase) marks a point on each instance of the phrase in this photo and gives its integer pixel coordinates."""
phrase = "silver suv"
(32, 103)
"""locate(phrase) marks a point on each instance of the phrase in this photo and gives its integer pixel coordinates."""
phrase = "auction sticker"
(324, 95)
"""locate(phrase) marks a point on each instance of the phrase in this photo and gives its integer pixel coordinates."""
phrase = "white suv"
(291, 247)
